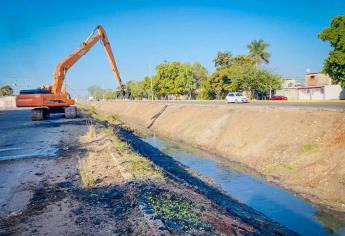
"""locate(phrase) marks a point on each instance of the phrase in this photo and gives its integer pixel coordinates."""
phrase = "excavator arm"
(68, 62)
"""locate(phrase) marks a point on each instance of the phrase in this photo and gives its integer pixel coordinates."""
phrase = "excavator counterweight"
(53, 98)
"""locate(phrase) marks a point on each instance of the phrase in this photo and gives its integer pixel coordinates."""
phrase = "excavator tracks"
(39, 113)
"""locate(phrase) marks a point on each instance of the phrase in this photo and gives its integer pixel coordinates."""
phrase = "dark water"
(277, 203)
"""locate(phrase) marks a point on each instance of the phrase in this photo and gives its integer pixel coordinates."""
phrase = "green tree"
(257, 51)
(258, 82)
(205, 92)
(109, 94)
(174, 78)
(188, 80)
(135, 89)
(200, 73)
(243, 60)
(334, 65)
(146, 83)
(222, 60)
(95, 91)
(98, 93)
(239, 77)
(165, 77)
(219, 83)
(6, 90)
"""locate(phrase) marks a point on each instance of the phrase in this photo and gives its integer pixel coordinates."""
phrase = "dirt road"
(67, 177)
(26, 151)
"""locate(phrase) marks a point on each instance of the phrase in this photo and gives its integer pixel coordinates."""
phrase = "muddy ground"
(97, 184)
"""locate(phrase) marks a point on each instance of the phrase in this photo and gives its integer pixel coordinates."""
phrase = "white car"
(236, 97)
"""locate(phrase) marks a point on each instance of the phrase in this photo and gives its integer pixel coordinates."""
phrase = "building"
(288, 83)
(317, 86)
(317, 79)
(325, 92)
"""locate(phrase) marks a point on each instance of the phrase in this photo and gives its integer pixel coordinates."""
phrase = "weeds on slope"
(107, 150)
(309, 148)
(176, 211)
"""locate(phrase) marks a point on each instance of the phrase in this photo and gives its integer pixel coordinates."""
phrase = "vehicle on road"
(236, 97)
(278, 97)
(54, 98)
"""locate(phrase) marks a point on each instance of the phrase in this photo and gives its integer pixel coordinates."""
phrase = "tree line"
(233, 73)
(97, 92)
(193, 81)
(334, 64)
(6, 90)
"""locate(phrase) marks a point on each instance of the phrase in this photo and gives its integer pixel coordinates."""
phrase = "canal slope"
(299, 149)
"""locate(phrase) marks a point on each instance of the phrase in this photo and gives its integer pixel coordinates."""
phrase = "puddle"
(38, 153)
(10, 149)
(275, 202)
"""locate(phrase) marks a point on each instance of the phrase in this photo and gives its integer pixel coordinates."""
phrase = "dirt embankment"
(300, 149)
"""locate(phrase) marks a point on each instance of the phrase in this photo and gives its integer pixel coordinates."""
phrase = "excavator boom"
(68, 62)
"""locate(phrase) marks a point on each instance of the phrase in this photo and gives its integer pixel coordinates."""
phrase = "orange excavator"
(54, 98)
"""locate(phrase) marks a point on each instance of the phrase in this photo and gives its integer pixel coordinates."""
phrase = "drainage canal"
(275, 202)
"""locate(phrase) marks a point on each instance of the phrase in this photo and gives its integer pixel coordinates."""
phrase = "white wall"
(334, 92)
(7, 102)
(328, 92)
(290, 93)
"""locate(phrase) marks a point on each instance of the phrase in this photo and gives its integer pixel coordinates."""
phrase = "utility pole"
(270, 91)
(151, 80)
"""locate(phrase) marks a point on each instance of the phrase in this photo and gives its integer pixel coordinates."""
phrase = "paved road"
(312, 105)
(26, 150)
(23, 138)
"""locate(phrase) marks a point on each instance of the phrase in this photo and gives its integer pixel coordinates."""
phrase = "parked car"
(236, 97)
(279, 98)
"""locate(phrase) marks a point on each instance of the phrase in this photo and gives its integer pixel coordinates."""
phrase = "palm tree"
(223, 60)
(257, 51)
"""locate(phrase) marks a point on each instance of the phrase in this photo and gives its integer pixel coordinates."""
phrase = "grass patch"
(121, 146)
(285, 167)
(176, 211)
(91, 131)
(92, 112)
(269, 168)
(115, 118)
(87, 179)
(99, 117)
(138, 166)
(288, 167)
(331, 224)
(308, 148)
(88, 109)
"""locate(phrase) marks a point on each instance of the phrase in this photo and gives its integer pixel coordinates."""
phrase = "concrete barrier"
(7, 102)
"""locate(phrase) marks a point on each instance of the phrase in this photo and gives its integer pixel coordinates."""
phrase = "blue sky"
(36, 35)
